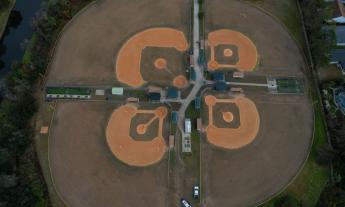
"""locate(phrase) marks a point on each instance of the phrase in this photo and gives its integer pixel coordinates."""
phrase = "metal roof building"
(154, 96)
(117, 91)
(337, 55)
(174, 117)
(220, 86)
(186, 143)
(188, 126)
(197, 102)
(340, 35)
(218, 76)
(172, 92)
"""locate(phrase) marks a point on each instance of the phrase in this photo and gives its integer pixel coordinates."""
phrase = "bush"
(4, 4)
(321, 40)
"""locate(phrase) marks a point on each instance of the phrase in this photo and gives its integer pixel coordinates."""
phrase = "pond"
(19, 29)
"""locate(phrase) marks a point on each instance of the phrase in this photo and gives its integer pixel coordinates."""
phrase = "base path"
(128, 60)
(128, 150)
(246, 49)
(233, 138)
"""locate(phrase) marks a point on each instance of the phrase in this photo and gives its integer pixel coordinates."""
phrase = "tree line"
(4, 4)
(21, 180)
(321, 38)
(334, 193)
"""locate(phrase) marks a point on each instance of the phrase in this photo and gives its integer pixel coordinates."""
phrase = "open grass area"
(4, 15)
(308, 185)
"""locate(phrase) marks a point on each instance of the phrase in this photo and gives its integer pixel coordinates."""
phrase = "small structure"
(191, 60)
(340, 35)
(100, 92)
(327, 105)
(339, 12)
(132, 100)
(154, 96)
(218, 76)
(238, 75)
(339, 98)
(338, 58)
(44, 130)
(236, 90)
(197, 102)
(67, 93)
(202, 44)
(220, 86)
(199, 124)
(171, 141)
(188, 126)
(192, 75)
(117, 91)
(174, 117)
(153, 89)
(186, 143)
(272, 85)
(172, 93)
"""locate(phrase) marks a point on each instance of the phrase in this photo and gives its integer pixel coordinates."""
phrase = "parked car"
(185, 203)
(196, 191)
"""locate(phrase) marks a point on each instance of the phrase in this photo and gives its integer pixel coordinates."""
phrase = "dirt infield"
(128, 60)
(85, 171)
(98, 34)
(128, 150)
(233, 138)
(247, 53)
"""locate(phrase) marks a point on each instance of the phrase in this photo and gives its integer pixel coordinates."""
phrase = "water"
(14, 36)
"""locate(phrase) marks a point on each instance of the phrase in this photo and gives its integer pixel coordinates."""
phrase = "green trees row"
(321, 39)
(4, 4)
(334, 193)
(21, 181)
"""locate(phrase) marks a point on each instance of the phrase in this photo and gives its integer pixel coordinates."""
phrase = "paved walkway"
(247, 84)
(198, 71)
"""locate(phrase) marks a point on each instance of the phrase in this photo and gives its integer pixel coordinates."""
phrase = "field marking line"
(49, 161)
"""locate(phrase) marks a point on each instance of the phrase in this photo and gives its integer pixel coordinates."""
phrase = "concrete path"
(198, 71)
(247, 84)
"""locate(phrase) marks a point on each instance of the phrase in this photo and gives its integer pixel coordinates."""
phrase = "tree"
(286, 201)
(4, 4)
(322, 40)
(325, 155)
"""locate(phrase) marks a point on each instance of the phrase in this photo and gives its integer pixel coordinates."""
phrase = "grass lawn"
(308, 185)
(4, 15)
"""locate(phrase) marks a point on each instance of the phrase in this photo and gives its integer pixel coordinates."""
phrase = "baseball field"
(255, 172)
(112, 152)
(84, 168)
(91, 143)
(106, 29)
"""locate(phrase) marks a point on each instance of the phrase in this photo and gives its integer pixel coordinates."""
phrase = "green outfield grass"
(4, 15)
